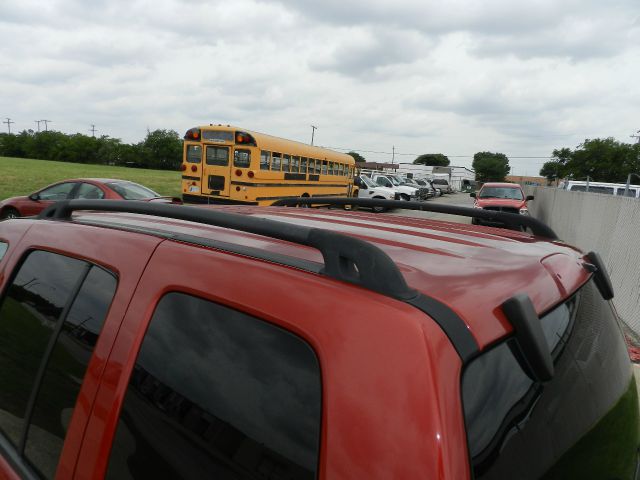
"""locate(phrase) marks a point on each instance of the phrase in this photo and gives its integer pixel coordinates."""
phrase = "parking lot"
(456, 199)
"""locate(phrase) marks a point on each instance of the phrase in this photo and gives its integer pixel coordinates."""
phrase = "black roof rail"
(345, 258)
(512, 219)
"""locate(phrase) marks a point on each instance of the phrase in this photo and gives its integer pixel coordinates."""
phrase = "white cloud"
(455, 77)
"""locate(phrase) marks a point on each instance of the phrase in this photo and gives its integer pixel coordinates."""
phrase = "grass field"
(22, 176)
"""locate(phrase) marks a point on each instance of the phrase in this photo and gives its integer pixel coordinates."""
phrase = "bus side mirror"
(529, 197)
(472, 194)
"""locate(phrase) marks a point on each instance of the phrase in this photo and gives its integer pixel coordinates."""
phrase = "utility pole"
(46, 125)
(8, 122)
(93, 130)
(393, 154)
(38, 122)
(313, 130)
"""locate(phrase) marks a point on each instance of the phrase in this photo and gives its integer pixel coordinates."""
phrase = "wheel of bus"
(8, 213)
(378, 209)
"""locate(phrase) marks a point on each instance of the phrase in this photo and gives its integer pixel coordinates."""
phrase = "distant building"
(523, 180)
(454, 175)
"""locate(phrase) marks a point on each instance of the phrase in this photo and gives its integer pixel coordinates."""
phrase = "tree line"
(600, 159)
(161, 149)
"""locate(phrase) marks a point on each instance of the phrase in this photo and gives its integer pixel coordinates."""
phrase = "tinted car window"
(29, 313)
(132, 191)
(521, 428)
(57, 192)
(50, 317)
(88, 191)
(3, 249)
(65, 370)
(216, 393)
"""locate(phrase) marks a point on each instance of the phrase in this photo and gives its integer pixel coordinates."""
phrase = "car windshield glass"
(132, 191)
(421, 183)
(501, 192)
(394, 181)
(368, 182)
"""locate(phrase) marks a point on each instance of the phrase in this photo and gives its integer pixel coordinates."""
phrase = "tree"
(432, 159)
(605, 160)
(357, 157)
(491, 167)
(551, 170)
(161, 149)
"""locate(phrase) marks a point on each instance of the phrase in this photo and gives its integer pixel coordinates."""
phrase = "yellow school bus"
(226, 164)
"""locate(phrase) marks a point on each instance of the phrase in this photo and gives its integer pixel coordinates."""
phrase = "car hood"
(500, 202)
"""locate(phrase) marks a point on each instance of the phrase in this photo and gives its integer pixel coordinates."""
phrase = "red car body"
(87, 188)
(391, 393)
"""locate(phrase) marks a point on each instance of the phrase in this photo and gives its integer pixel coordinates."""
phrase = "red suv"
(153, 341)
(500, 197)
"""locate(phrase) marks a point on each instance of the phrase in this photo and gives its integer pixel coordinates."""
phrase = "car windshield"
(368, 182)
(132, 191)
(409, 181)
(501, 192)
(394, 180)
(422, 183)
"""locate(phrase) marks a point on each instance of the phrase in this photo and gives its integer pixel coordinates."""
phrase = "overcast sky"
(425, 76)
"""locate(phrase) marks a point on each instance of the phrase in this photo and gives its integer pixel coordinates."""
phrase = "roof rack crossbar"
(512, 219)
(345, 258)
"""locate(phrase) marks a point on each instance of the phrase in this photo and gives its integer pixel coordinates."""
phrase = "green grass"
(22, 176)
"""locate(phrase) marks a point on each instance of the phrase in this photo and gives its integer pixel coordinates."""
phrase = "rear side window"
(50, 318)
(216, 393)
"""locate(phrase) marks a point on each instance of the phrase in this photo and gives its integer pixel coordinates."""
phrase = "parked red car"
(149, 341)
(80, 188)
(500, 197)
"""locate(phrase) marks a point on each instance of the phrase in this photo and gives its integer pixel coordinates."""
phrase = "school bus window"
(286, 163)
(324, 167)
(242, 158)
(318, 166)
(218, 156)
(265, 160)
(341, 169)
(303, 164)
(295, 164)
(276, 163)
(194, 153)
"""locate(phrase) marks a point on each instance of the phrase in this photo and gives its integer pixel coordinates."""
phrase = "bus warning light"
(250, 174)
(239, 172)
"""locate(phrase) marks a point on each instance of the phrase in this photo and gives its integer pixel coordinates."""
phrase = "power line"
(395, 152)
(93, 130)
(38, 122)
(46, 125)
(8, 122)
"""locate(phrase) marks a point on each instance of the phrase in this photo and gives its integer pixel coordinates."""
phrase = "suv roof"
(508, 262)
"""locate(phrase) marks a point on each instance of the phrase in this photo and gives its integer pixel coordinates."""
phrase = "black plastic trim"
(452, 325)
(187, 177)
(537, 227)
(601, 276)
(212, 200)
(521, 313)
(346, 258)
(322, 185)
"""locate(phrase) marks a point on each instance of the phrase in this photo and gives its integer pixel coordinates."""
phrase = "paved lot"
(457, 199)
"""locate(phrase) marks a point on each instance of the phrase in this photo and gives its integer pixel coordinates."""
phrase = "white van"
(601, 187)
